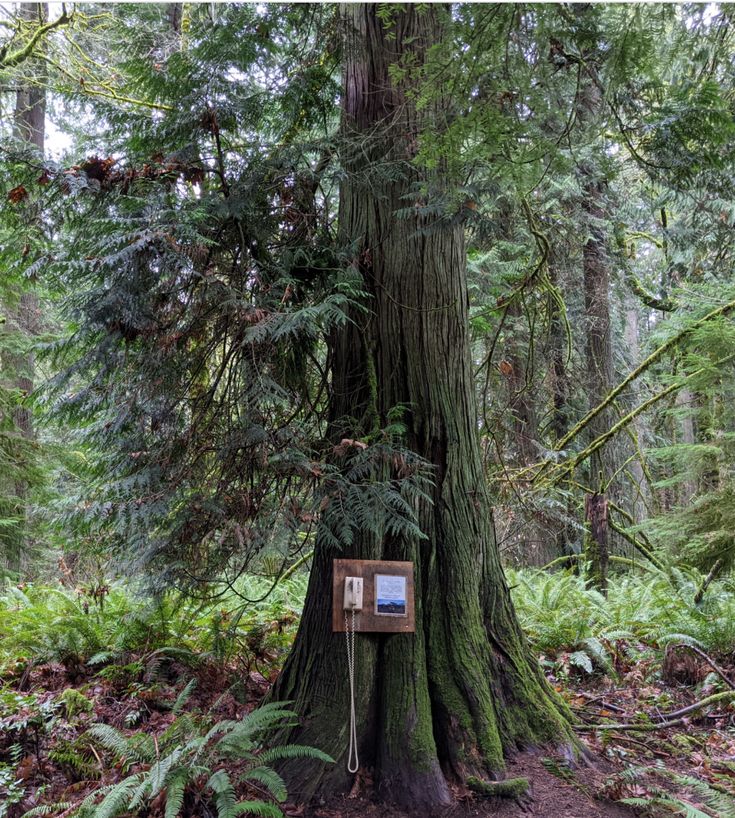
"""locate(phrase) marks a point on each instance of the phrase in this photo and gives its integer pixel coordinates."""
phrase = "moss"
(407, 706)
(510, 788)
(453, 662)
(372, 416)
(591, 550)
(75, 702)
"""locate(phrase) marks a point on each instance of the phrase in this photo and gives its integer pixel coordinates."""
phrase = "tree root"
(510, 788)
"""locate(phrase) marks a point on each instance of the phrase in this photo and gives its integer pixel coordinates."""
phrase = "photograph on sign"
(390, 595)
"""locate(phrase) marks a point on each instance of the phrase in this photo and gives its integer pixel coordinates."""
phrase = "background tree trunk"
(463, 691)
(599, 366)
(29, 126)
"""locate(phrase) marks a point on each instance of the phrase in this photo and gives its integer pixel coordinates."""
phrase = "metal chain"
(352, 767)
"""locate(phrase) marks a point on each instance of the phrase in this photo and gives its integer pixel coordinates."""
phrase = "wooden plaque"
(368, 620)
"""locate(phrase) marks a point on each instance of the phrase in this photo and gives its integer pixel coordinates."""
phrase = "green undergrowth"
(87, 630)
(652, 609)
(112, 703)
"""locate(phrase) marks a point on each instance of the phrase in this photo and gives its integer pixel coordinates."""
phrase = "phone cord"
(352, 766)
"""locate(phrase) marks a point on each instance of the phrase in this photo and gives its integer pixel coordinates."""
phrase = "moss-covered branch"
(707, 581)
(570, 558)
(600, 441)
(10, 60)
(639, 370)
(669, 720)
(510, 788)
(105, 91)
(637, 544)
(293, 568)
(649, 299)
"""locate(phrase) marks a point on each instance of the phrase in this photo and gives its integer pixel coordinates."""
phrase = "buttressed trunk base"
(455, 698)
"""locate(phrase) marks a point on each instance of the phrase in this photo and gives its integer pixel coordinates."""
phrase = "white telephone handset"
(353, 594)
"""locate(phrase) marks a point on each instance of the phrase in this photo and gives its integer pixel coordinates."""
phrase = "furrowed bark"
(454, 699)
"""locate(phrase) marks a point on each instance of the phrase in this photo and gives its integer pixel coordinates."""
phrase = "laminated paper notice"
(390, 595)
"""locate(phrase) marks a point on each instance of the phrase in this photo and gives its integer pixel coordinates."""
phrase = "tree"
(452, 700)
(22, 318)
(250, 366)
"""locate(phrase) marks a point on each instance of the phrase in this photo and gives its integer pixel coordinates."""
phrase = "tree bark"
(28, 127)
(464, 691)
(685, 401)
(637, 471)
(596, 277)
(560, 531)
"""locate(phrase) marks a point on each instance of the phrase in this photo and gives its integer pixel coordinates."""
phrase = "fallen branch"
(674, 719)
(644, 728)
(715, 698)
(510, 788)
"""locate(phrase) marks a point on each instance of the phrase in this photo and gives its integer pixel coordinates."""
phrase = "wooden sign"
(388, 596)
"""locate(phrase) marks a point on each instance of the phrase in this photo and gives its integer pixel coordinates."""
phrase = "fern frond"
(175, 794)
(183, 697)
(269, 779)
(260, 808)
(224, 793)
(118, 799)
(293, 751)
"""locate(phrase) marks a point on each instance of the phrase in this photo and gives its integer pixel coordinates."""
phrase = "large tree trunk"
(464, 691)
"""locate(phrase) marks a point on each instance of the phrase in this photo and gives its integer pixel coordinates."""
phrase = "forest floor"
(660, 768)
(575, 796)
(89, 679)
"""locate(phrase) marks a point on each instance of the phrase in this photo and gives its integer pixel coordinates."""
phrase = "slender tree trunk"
(29, 127)
(596, 281)
(464, 690)
(520, 401)
(528, 542)
(560, 387)
(599, 358)
(684, 401)
(561, 390)
(637, 471)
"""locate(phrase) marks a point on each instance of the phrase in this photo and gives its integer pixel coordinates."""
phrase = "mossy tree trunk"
(599, 366)
(455, 698)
